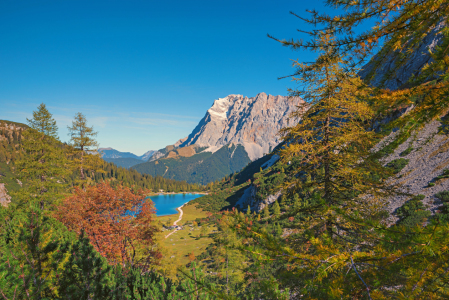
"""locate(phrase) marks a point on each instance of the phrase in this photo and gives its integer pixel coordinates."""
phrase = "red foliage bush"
(116, 220)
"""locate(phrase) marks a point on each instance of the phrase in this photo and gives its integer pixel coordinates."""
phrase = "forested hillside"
(125, 162)
(11, 150)
(202, 168)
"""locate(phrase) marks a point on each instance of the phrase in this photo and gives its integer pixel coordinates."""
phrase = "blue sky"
(143, 72)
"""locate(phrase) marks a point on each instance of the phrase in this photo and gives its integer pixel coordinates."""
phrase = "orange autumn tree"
(116, 220)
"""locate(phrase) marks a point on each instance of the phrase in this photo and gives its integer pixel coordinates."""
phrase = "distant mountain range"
(234, 131)
(124, 159)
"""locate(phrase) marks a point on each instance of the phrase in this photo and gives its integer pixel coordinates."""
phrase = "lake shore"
(174, 193)
(168, 204)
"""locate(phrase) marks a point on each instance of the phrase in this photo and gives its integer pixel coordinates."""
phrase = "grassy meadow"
(186, 240)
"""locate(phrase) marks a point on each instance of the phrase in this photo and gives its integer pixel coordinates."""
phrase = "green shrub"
(413, 212)
(443, 196)
(443, 210)
(444, 175)
(397, 165)
(431, 184)
(406, 151)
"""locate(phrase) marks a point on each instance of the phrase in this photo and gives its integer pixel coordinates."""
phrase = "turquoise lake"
(167, 204)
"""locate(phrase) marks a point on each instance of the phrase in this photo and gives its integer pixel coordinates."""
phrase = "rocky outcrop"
(252, 122)
(249, 198)
(4, 197)
(391, 70)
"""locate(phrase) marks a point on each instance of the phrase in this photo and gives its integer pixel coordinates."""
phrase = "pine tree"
(296, 201)
(266, 211)
(34, 249)
(276, 209)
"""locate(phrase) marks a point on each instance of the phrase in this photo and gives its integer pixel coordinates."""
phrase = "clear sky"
(143, 72)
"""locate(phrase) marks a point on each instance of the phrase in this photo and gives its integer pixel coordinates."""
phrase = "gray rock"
(401, 72)
(429, 158)
(249, 198)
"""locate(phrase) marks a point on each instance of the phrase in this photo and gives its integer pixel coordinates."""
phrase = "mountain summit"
(253, 123)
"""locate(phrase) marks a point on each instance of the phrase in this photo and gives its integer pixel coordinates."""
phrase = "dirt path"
(176, 222)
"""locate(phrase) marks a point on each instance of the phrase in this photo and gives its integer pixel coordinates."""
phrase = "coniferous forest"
(318, 221)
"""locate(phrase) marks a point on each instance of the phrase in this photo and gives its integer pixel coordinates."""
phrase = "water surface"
(167, 204)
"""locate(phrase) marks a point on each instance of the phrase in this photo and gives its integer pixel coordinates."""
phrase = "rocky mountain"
(253, 123)
(392, 69)
(234, 131)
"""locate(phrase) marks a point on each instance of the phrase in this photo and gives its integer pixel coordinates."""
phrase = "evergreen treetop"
(43, 122)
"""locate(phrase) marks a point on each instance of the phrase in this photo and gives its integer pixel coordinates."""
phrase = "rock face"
(251, 122)
(147, 155)
(401, 71)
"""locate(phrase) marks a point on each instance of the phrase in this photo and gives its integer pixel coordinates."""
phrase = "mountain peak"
(252, 122)
(221, 106)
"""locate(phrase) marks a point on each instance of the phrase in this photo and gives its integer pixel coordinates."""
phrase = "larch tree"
(82, 138)
(43, 122)
(332, 170)
(43, 167)
(341, 248)
(400, 26)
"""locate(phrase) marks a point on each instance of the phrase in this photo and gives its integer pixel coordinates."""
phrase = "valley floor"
(186, 240)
